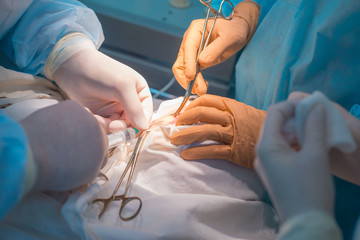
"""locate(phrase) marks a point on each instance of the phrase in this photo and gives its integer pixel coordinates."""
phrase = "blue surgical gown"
(30, 29)
(302, 45)
(28, 32)
(13, 156)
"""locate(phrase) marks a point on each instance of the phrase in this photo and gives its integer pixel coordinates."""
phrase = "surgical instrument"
(202, 46)
(125, 200)
(120, 137)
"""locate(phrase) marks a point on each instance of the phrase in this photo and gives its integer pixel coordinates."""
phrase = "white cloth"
(22, 94)
(208, 199)
(338, 133)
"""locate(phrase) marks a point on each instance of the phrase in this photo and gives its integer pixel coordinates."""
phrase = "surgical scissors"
(123, 197)
(217, 13)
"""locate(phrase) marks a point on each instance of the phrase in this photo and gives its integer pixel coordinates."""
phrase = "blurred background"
(146, 35)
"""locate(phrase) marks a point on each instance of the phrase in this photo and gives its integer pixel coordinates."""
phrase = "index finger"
(191, 44)
(274, 122)
(208, 100)
(132, 97)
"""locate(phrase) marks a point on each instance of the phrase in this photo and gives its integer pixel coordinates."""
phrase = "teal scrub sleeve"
(29, 42)
(355, 110)
(15, 167)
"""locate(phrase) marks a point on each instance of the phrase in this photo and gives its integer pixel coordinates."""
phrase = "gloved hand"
(108, 88)
(343, 165)
(68, 146)
(297, 180)
(233, 124)
(228, 37)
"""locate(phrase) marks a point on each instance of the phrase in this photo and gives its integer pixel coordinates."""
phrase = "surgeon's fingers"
(200, 86)
(315, 130)
(216, 52)
(117, 125)
(272, 139)
(110, 125)
(132, 107)
(207, 152)
(276, 118)
(297, 97)
(179, 69)
(201, 133)
(204, 114)
(191, 44)
(103, 122)
(144, 95)
(209, 101)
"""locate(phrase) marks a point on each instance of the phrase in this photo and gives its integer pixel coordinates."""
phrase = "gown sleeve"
(29, 42)
(17, 168)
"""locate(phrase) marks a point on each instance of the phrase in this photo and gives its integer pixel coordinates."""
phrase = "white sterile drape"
(207, 199)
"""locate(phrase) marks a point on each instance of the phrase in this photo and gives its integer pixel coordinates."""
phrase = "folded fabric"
(22, 94)
(338, 133)
(16, 87)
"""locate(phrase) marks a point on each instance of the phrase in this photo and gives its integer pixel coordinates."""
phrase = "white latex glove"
(343, 165)
(108, 88)
(227, 38)
(68, 145)
(297, 181)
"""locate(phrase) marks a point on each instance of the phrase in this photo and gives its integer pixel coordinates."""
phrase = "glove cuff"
(66, 47)
(248, 122)
(249, 11)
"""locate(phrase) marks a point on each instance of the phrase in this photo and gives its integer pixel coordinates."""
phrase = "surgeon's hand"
(117, 95)
(68, 145)
(233, 124)
(297, 180)
(227, 38)
(343, 165)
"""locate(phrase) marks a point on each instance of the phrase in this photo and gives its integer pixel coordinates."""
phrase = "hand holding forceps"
(203, 43)
(123, 197)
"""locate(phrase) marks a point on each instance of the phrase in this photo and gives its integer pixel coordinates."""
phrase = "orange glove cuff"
(247, 129)
(249, 11)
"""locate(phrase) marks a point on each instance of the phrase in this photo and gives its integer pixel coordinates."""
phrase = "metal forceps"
(123, 197)
(217, 13)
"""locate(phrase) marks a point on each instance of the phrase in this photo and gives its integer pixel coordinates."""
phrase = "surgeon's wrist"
(249, 11)
(65, 48)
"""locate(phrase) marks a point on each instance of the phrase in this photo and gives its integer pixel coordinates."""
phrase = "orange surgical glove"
(235, 125)
(227, 38)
